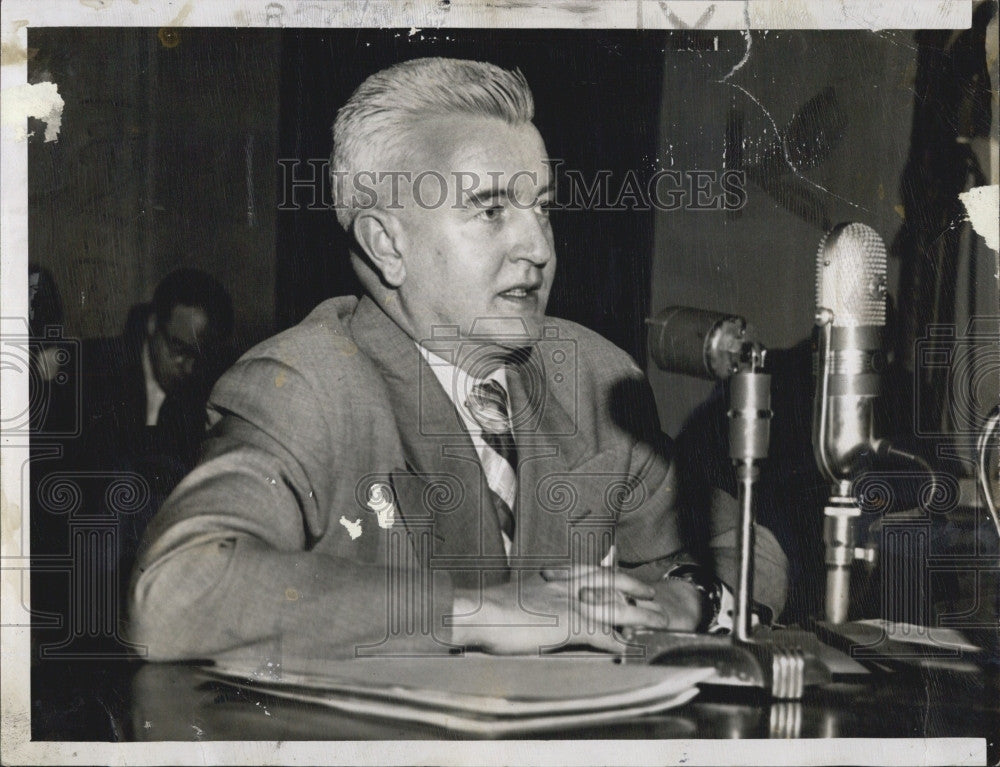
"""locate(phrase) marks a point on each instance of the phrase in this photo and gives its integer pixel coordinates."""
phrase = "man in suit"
(144, 394)
(439, 464)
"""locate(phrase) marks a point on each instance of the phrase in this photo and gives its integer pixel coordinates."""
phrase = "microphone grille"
(851, 276)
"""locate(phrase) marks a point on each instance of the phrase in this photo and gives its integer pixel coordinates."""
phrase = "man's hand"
(583, 605)
(681, 602)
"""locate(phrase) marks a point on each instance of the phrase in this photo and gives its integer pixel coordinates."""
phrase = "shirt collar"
(457, 384)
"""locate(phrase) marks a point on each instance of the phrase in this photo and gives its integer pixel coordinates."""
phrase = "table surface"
(130, 700)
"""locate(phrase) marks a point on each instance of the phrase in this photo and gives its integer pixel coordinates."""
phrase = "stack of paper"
(892, 642)
(483, 695)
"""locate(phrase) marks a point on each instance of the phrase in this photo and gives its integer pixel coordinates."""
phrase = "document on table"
(928, 636)
(891, 642)
(483, 695)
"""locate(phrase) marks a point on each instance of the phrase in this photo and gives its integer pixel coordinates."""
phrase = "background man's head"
(190, 318)
(453, 230)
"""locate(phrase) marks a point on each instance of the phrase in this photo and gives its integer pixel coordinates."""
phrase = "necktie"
(487, 403)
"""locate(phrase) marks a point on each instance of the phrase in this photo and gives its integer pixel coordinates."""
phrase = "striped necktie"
(487, 403)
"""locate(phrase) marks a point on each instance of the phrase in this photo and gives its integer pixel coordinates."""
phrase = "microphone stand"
(786, 660)
(842, 510)
(783, 662)
(749, 435)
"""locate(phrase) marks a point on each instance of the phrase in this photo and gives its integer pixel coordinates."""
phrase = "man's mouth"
(520, 292)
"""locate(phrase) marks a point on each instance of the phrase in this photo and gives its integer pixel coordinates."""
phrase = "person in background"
(143, 394)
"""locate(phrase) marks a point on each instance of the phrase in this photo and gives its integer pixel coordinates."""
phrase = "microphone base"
(781, 662)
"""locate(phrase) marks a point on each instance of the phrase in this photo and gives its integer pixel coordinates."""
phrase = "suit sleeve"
(666, 529)
(228, 569)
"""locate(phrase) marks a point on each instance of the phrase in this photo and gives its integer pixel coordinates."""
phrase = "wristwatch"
(717, 601)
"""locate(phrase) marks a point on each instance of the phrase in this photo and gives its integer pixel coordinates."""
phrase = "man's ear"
(380, 236)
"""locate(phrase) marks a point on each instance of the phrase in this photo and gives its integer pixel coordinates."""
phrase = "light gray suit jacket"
(276, 550)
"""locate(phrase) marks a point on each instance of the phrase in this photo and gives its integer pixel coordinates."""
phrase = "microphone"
(850, 312)
(850, 315)
(699, 343)
(713, 345)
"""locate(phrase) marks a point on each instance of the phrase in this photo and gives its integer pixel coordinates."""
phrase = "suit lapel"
(551, 496)
(443, 484)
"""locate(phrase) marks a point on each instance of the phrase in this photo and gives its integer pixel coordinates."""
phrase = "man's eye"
(543, 209)
(492, 213)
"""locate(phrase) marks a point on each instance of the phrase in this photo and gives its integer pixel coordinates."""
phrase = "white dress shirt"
(154, 392)
(458, 385)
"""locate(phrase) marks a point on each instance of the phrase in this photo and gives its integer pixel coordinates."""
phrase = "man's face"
(484, 254)
(176, 346)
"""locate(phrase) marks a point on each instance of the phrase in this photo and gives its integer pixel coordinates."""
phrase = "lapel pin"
(380, 501)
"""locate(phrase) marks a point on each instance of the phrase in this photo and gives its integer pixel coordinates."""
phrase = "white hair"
(370, 132)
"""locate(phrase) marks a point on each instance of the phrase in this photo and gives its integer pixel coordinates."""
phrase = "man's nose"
(533, 242)
(187, 366)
